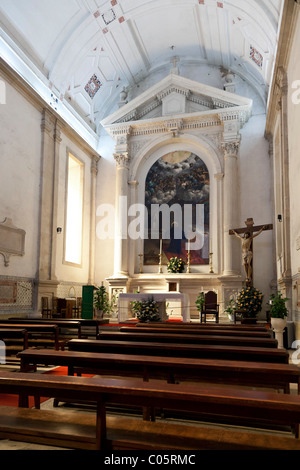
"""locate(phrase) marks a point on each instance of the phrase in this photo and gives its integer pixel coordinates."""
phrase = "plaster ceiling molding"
(236, 113)
(123, 41)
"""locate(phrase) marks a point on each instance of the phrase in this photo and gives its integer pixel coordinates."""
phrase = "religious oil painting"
(179, 178)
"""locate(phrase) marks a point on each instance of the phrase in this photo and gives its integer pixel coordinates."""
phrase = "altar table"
(124, 299)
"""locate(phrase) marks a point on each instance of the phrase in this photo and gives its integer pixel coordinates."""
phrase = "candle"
(160, 247)
(189, 245)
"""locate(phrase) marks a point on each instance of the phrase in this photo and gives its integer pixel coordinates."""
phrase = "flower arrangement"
(146, 310)
(176, 265)
(249, 301)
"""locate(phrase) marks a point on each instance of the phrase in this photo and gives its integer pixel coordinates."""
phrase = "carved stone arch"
(212, 156)
(202, 145)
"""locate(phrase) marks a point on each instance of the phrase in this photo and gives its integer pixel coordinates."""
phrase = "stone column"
(285, 281)
(94, 172)
(216, 246)
(134, 246)
(57, 141)
(231, 204)
(121, 218)
(47, 195)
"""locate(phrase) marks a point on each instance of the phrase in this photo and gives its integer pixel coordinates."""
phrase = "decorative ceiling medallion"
(93, 86)
(109, 16)
(256, 56)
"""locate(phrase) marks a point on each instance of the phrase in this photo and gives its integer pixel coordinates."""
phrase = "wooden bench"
(38, 334)
(10, 335)
(179, 338)
(240, 353)
(265, 408)
(64, 326)
(195, 331)
(173, 370)
(215, 326)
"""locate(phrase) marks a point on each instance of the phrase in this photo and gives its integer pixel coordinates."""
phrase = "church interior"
(153, 145)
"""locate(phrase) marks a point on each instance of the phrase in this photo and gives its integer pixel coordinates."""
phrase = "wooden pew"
(240, 353)
(43, 332)
(194, 331)
(276, 376)
(8, 334)
(192, 339)
(62, 325)
(232, 326)
(265, 408)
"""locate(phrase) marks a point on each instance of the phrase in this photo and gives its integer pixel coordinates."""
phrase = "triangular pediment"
(175, 96)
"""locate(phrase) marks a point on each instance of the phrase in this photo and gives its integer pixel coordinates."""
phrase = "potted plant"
(230, 309)
(102, 304)
(200, 301)
(278, 314)
(175, 265)
(146, 310)
(249, 304)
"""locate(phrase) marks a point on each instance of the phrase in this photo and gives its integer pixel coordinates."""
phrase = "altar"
(124, 299)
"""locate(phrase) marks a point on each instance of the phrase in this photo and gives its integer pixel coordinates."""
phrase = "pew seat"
(77, 431)
(240, 353)
(265, 408)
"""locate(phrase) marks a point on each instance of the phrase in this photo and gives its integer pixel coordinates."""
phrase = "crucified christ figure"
(247, 250)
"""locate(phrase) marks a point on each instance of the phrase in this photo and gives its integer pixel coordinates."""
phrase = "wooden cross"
(247, 244)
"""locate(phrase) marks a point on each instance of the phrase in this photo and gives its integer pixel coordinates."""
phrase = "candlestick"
(210, 263)
(188, 267)
(160, 257)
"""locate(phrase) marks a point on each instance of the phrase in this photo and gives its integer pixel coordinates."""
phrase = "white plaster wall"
(104, 249)
(256, 197)
(294, 146)
(20, 153)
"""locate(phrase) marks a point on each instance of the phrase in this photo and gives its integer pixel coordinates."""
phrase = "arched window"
(178, 186)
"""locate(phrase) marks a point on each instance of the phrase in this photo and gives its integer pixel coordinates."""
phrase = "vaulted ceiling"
(86, 51)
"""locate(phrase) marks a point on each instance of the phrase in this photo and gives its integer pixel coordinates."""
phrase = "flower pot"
(99, 314)
(278, 325)
(248, 321)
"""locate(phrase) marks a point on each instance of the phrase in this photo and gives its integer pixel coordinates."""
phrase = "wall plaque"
(12, 240)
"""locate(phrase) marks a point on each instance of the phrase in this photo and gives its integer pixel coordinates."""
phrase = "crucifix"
(174, 62)
(250, 231)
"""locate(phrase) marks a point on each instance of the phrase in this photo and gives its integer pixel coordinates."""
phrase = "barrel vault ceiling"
(86, 51)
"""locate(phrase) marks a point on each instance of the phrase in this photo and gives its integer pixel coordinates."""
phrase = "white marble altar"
(124, 300)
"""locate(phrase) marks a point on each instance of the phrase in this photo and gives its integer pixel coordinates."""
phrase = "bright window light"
(73, 241)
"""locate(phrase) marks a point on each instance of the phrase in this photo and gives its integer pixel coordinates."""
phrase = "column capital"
(231, 148)
(122, 159)
(57, 132)
(94, 164)
(219, 176)
(48, 122)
